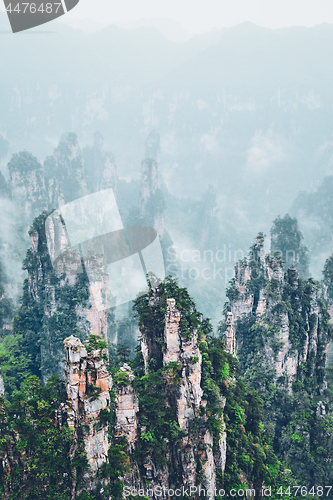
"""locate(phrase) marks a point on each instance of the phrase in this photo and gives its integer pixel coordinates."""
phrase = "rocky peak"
(185, 352)
(286, 241)
(70, 303)
(4, 188)
(181, 360)
(66, 178)
(153, 148)
(27, 185)
(257, 250)
(88, 383)
(104, 165)
(152, 200)
(263, 293)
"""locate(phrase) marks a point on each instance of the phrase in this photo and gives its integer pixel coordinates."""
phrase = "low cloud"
(264, 153)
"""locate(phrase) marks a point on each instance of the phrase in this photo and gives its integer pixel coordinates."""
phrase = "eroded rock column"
(88, 384)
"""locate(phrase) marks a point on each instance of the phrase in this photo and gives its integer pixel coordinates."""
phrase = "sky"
(198, 16)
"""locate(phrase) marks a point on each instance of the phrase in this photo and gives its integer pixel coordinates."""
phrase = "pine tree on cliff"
(286, 239)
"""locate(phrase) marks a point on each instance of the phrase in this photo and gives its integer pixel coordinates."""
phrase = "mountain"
(313, 208)
(171, 29)
(185, 412)
(168, 421)
(86, 25)
(281, 327)
(246, 109)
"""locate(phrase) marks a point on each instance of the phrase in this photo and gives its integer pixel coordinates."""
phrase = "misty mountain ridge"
(171, 29)
(246, 109)
(210, 143)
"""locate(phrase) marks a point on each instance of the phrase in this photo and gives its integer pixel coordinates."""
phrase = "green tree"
(45, 459)
(286, 240)
(123, 353)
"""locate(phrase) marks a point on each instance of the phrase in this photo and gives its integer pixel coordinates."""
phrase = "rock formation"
(68, 301)
(183, 354)
(104, 166)
(27, 187)
(86, 372)
(152, 201)
(34, 188)
(261, 290)
(230, 334)
(65, 173)
(127, 408)
(88, 384)
(2, 386)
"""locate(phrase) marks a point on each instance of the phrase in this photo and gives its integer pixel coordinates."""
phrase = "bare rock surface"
(88, 384)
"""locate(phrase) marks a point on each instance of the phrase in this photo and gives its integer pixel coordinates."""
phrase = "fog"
(243, 116)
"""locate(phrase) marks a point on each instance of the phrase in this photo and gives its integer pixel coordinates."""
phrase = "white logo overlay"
(116, 259)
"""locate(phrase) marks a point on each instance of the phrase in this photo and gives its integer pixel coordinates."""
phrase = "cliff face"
(56, 303)
(104, 166)
(66, 175)
(127, 408)
(185, 403)
(59, 302)
(33, 188)
(282, 333)
(279, 303)
(195, 444)
(27, 186)
(187, 399)
(159, 424)
(88, 384)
